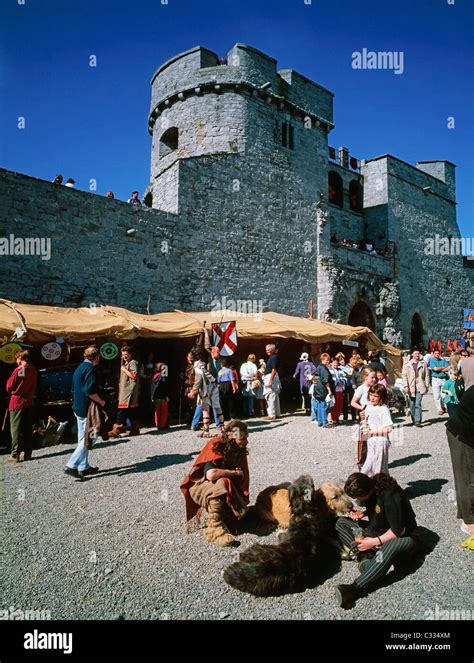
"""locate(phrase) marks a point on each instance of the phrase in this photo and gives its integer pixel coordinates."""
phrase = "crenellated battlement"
(245, 70)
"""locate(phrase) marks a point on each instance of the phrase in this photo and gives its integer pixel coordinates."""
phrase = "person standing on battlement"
(134, 200)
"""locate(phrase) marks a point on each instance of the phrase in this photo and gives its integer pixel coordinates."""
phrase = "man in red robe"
(219, 482)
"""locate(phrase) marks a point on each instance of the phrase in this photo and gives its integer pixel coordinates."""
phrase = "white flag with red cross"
(224, 336)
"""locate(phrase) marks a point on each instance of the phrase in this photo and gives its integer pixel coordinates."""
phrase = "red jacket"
(22, 385)
(209, 455)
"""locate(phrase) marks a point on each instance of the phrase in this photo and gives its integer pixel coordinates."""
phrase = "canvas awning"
(44, 323)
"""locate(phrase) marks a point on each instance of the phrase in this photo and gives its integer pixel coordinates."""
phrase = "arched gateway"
(361, 316)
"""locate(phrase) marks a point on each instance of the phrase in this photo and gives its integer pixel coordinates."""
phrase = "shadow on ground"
(424, 487)
(408, 460)
(429, 422)
(149, 465)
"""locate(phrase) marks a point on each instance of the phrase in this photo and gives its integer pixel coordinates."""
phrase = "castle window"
(169, 141)
(335, 188)
(355, 196)
(287, 135)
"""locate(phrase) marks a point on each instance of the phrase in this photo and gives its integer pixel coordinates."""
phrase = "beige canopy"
(43, 323)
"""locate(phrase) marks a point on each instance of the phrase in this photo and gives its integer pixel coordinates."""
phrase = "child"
(378, 425)
(382, 379)
(359, 402)
(159, 395)
(450, 393)
(360, 398)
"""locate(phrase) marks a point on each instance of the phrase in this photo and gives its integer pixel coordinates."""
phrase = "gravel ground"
(115, 545)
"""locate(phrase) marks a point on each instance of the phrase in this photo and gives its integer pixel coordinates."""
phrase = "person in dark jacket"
(460, 433)
(160, 395)
(387, 538)
(84, 390)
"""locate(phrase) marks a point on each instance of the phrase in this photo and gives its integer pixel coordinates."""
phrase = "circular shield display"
(51, 351)
(8, 352)
(108, 351)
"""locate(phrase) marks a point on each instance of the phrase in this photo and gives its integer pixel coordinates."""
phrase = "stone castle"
(244, 196)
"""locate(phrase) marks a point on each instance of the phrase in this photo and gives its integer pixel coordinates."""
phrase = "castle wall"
(92, 259)
(235, 212)
(435, 286)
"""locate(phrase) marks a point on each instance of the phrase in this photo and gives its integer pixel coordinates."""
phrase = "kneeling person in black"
(388, 535)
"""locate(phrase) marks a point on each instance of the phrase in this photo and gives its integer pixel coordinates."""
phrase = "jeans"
(437, 385)
(415, 407)
(79, 459)
(198, 414)
(319, 411)
(248, 405)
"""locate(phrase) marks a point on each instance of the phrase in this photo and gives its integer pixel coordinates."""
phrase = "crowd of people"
(366, 245)
(332, 390)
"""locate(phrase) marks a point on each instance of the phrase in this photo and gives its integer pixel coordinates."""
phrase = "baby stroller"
(397, 399)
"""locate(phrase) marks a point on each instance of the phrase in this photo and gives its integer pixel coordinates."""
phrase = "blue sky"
(87, 122)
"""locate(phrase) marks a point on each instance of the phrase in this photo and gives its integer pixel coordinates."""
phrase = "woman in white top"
(378, 425)
(249, 377)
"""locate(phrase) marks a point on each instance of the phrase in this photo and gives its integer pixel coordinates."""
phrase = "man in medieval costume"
(219, 483)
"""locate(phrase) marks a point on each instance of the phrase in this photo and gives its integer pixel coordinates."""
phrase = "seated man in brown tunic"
(219, 482)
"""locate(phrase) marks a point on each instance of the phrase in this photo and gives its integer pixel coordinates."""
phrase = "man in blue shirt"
(439, 373)
(84, 390)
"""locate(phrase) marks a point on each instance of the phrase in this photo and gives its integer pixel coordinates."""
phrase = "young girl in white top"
(378, 425)
(360, 398)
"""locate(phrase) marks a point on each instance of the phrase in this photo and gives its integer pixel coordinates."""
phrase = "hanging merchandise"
(108, 351)
(51, 351)
(8, 352)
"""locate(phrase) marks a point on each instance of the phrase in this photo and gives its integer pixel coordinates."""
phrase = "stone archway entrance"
(416, 332)
(361, 316)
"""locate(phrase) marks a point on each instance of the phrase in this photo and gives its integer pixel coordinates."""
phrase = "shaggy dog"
(292, 565)
(273, 505)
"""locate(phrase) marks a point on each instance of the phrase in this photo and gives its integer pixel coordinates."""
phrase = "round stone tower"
(240, 149)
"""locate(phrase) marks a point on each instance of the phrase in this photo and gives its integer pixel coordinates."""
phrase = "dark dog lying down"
(265, 570)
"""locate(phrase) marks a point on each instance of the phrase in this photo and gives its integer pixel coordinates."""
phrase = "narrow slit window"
(291, 137)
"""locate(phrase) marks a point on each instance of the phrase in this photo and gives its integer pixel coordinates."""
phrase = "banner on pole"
(224, 336)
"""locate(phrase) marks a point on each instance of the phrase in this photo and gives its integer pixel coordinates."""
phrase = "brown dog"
(273, 503)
